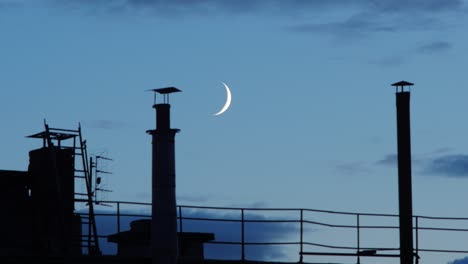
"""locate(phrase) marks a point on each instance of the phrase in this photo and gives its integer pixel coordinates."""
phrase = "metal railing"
(307, 228)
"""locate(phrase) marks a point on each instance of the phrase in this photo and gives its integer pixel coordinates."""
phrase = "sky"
(312, 122)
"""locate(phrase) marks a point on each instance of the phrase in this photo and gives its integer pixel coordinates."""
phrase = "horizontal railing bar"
(253, 243)
(443, 229)
(126, 202)
(328, 246)
(443, 250)
(212, 219)
(294, 209)
(261, 209)
(271, 243)
(285, 221)
(114, 214)
(441, 218)
(223, 242)
(269, 221)
(350, 248)
(238, 208)
(239, 220)
(329, 225)
(379, 227)
(379, 249)
(349, 254)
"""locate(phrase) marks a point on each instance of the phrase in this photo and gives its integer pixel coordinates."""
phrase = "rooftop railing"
(308, 233)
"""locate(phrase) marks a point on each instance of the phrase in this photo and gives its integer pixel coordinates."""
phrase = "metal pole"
(243, 236)
(180, 219)
(358, 239)
(89, 235)
(302, 236)
(118, 217)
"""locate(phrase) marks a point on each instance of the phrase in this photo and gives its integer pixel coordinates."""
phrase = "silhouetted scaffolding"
(63, 169)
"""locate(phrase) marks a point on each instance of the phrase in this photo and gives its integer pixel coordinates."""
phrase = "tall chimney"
(405, 198)
(164, 211)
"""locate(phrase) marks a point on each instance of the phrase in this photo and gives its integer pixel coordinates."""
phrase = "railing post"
(358, 239)
(302, 236)
(89, 234)
(417, 240)
(243, 235)
(118, 217)
(181, 237)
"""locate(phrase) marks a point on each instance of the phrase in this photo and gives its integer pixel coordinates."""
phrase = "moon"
(228, 100)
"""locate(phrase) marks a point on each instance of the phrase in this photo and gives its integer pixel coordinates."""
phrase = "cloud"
(452, 165)
(459, 261)
(390, 61)
(336, 17)
(417, 5)
(435, 46)
(10, 4)
(352, 168)
(105, 124)
(437, 163)
(224, 231)
(279, 6)
(356, 25)
(389, 160)
(231, 232)
(365, 23)
(232, 6)
(428, 48)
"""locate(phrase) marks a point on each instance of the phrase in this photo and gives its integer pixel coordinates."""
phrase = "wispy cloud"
(229, 6)
(367, 23)
(435, 46)
(352, 168)
(438, 163)
(454, 165)
(10, 4)
(356, 25)
(345, 18)
(389, 160)
(412, 6)
(279, 6)
(399, 58)
(459, 261)
(254, 232)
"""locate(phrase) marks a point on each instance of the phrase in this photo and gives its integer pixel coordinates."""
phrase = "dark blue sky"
(312, 121)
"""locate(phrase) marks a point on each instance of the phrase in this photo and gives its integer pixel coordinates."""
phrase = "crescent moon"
(228, 100)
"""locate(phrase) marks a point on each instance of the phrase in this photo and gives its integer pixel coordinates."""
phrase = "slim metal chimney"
(164, 211)
(405, 198)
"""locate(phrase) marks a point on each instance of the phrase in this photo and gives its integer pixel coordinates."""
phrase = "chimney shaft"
(405, 198)
(164, 208)
(163, 116)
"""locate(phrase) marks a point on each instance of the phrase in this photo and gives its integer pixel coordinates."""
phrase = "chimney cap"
(166, 90)
(403, 83)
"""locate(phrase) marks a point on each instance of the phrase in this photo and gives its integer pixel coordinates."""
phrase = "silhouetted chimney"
(164, 211)
(405, 198)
